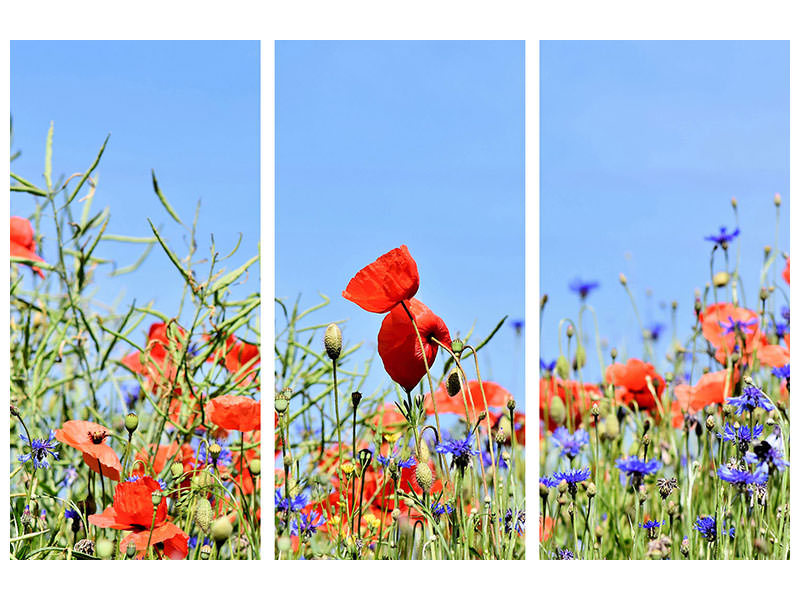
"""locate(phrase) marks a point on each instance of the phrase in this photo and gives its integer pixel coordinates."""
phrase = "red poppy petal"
(383, 284)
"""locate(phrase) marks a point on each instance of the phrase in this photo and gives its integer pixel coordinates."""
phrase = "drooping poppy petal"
(631, 379)
(711, 388)
(22, 243)
(90, 438)
(399, 347)
(235, 412)
(383, 284)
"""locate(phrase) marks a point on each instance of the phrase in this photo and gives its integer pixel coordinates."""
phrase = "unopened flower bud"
(685, 546)
(221, 530)
(595, 410)
(734, 203)
(777, 199)
(255, 467)
(622, 279)
(511, 404)
(457, 346)
(557, 412)
(131, 422)
(570, 331)
(104, 548)
(424, 476)
(763, 294)
(710, 423)
(562, 367)
(591, 489)
(580, 357)
(562, 486)
(176, 469)
(333, 341)
(613, 354)
(721, 279)
(355, 399)
(453, 383)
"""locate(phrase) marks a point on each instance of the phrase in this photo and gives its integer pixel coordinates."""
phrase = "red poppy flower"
(711, 388)
(632, 379)
(133, 511)
(724, 324)
(155, 363)
(183, 455)
(236, 355)
(786, 272)
(90, 438)
(773, 355)
(398, 345)
(383, 284)
(579, 395)
(496, 397)
(235, 412)
(22, 242)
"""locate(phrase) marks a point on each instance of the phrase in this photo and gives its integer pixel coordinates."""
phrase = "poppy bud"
(104, 548)
(355, 398)
(613, 354)
(221, 530)
(487, 500)
(734, 203)
(281, 402)
(622, 279)
(203, 514)
(395, 514)
(591, 490)
(763, 294)
(255, 467)
(205, 552)
(284, 543)
(580, 357)
(130, 550)
(558, 412)
(698, 306)
(131, 422)
(176, 469)
(710, 423)
(562, 486)
(333, 341)
(562, 367)
(453, 383)
(570, 331)
(721, 279)
(777, 199)
(424, 451)
(767, 251)
(424, 476)
(287, 459)
(544, 491)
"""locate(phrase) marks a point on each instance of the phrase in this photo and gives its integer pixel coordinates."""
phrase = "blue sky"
(189, 110)
(380, 144)
(643, 145)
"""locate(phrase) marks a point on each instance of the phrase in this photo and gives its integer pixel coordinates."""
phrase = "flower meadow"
(399, 473)
(680, 456)
(135, 434)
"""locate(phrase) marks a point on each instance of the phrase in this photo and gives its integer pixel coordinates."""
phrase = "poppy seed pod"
(457, 346)
(580, 357)
(130, 550)
(424, 451)
(104, 548)
(281, 402)
(176, 469)
(155, 498)
(131, 422)
(558, 412)
(221, 530)
(284, 543)
(562, 367)
(453, 383)
(424, 476)
(333, 341)
(205, 552)
(721, 278)
(355, 399)
(255, 467)
(612, 426)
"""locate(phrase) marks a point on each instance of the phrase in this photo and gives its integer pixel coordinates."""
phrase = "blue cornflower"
(781, 372)
(724, 238)
(707, 526)
(514, 521)
(655, 331)
(517, 324)
(547, 366)
(732, 326)
(572, 478)
(742, 477)
(781, 329)
(636, 468)
(72, 514)
(70, 475)
(768, 452)
(548, 481)
(40, 448)
(570, 444)
(194, 539)
(405, 464)
(130, 394)
(307, 524)
(564, 554)
(582, 288)
(785, 313)
(651, 526)
(440, 509)
(297, 503)
(741, 436)
(461, 451)
(751, 398)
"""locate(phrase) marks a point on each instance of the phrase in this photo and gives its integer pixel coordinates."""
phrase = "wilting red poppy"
(383, 284)
(155, 363)
(724, 325)
(579, 396)
(632, 379)
(711, 388)
(496, 397)
(235, 412)
(90, 438)
(786, 272)
(398, 345)
(22, 242)
(133, 511)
